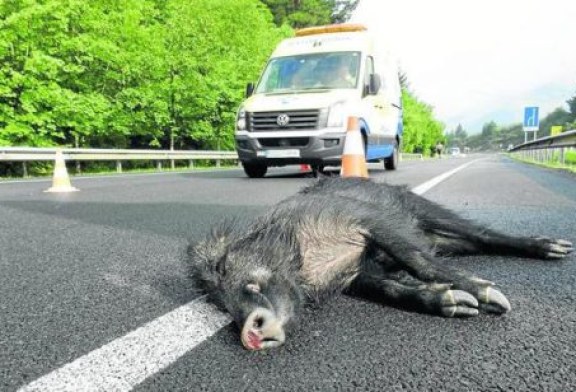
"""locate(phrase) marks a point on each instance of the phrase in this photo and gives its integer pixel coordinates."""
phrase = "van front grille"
(269, 121)
(284, 142)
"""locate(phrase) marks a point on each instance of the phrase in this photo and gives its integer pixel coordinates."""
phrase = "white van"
(297, 112)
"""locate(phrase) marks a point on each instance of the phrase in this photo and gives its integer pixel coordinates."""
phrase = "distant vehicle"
(297, 112)
(454, 151)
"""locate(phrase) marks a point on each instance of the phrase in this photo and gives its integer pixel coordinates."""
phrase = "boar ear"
(211, 251)
(205, 262)
(253, 287)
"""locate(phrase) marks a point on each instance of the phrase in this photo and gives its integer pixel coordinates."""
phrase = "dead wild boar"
(355, 236)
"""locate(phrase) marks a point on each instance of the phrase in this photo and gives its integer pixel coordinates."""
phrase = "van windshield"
(309, 72)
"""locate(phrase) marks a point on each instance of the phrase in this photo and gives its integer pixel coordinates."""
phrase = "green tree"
(403, 77)
(61, 64)
(558, 116)
(571, 125)
(512, 135)
(421, 130)
(128, 74)
(458, 137)
(489, 129)
(572, 107)
(342, 10)
(230, 41)
(304, 13)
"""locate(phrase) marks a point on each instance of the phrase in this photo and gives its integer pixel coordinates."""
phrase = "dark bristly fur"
(354, 236)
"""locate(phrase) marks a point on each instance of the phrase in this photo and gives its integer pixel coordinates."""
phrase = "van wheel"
(254, 170)
(391, 163)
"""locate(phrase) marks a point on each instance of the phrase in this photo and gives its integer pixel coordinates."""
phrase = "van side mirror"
(375, 84)
(249, 89)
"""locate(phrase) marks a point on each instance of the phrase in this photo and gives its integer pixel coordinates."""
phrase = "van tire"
(391, 163)
(255, 170)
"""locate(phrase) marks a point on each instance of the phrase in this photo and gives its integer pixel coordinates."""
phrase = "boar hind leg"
(433, 298)
(458, 236)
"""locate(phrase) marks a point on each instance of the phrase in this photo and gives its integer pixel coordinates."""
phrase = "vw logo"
(283, 120)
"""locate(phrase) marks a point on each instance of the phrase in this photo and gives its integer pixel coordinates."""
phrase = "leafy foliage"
(571, 123)
(557, 117)
(421, 130)
(304, 13)
(130, 74)
(494, 138)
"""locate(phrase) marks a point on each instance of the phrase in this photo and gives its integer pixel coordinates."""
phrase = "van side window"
(369, 71)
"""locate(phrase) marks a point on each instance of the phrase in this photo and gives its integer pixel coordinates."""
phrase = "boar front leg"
(433, 298)
(424, 266)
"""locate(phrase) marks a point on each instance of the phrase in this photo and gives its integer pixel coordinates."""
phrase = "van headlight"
(241, 119)
(336, 115)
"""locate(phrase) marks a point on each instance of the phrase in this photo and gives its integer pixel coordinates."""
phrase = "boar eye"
(253, 287)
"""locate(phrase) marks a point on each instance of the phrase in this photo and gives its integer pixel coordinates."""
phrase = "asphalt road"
(81, 270)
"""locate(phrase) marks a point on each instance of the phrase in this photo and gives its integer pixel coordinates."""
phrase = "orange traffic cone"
(60, 181)
(353, 159)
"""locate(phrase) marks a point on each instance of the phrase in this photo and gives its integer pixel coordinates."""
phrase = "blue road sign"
(531, 120)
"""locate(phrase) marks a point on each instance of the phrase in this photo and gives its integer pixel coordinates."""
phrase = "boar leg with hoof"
(355, 236)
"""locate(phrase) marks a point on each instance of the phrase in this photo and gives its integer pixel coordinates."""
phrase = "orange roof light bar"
(335, 28)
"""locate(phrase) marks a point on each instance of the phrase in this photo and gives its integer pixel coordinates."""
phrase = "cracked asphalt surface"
(79, 270)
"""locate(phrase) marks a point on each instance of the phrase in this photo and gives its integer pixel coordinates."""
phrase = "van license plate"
(279, 153)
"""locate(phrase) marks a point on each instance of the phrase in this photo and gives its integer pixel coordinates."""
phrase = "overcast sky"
(476, 61)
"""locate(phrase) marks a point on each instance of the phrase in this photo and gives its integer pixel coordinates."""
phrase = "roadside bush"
(570, 157)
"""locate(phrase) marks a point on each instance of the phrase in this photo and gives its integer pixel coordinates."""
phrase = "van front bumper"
(289, 148)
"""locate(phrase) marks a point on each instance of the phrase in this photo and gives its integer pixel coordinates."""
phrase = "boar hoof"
(554, 248)
(493, 301)
(458, 303)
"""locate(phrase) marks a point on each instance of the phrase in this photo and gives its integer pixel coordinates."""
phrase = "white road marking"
(426, 186)
(125, 362)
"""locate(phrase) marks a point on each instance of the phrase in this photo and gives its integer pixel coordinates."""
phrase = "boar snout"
(262, 330)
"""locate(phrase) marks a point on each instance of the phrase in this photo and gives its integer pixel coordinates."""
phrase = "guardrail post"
(562, 160)
(159, 165)
(172, 165)
(191, 164)
(118, 166)
(217, 162)
(24, 169)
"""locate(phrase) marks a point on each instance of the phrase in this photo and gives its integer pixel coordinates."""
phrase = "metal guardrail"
(96, 154)
(565, 139)
(546, 149)
(32, 154)
(409, 156)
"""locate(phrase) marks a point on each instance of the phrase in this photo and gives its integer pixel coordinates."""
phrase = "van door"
(374, 105)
